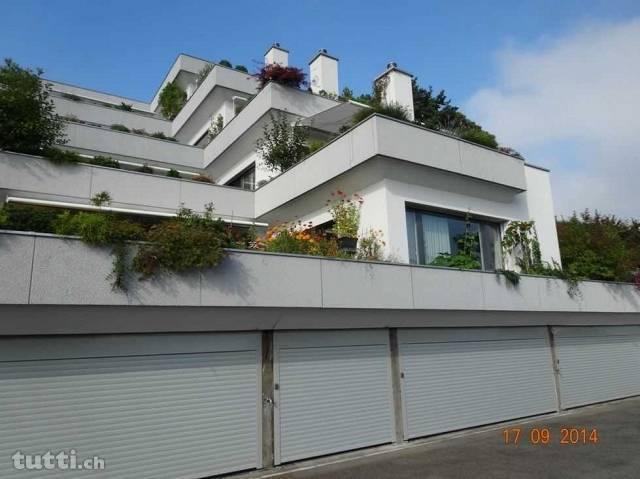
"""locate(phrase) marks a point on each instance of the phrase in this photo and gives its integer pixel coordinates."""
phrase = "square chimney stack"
(276, 54)
(323, 73)
(396, 88)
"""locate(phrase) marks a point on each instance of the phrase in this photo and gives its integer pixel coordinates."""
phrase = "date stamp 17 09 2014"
(564, 436)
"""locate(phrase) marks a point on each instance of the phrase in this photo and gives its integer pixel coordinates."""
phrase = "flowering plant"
(371, 246)
(296, 238)
(345, 211)
(288, 76)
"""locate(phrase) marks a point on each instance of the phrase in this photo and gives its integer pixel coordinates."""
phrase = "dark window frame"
(418, 232)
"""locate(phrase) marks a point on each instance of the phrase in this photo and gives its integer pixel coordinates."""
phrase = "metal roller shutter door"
(597, 363)
(334, 392)
(152, 406)
(460, 378)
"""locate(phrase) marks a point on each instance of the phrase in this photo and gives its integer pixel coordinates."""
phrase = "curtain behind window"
(435, 230)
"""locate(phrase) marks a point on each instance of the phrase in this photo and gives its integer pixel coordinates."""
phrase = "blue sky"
(471, 49)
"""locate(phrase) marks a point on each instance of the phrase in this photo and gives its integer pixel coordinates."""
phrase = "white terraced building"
(273, 358)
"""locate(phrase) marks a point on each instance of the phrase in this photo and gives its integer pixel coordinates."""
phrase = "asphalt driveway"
(612, 452)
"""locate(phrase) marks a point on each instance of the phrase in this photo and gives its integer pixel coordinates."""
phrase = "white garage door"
(333, 392)
(597, 363)
(459, 378)
(151, 406)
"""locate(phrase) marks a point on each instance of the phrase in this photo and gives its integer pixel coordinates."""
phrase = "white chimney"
(276, 54)
(323, 73)
(396, 88)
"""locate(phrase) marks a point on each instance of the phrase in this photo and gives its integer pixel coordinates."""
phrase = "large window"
(245, 180)
(448, 240)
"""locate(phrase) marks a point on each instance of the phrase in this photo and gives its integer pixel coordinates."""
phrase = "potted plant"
(345, 211)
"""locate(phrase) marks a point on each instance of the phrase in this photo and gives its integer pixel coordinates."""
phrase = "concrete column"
(396, 384)
(555, 365)
(267, 400)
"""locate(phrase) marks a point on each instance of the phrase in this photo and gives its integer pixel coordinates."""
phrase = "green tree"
(28, 122)
(283, 144)
(601, 247)
(435, 111)
(172, 99)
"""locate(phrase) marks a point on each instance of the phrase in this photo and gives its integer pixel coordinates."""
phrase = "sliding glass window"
(447, 240)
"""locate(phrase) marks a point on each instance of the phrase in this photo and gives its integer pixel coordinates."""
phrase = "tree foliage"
(172, 99)
(28, 122)
(283, 144)
(601, 247)
(435, 111)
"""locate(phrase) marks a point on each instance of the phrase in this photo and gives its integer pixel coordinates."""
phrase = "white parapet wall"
(53, 270)
(111, 142)
(33, 177)
(105, 115)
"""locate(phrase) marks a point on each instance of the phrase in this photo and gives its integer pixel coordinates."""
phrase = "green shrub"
(173, 173)
(103, 161)
(124, 106)
(97, 229)
(101, 199)
(315, 145)
(145, 169)
(393, 110)
(62, 156)
(120, 127)
(460, 260)
(139, 131)
(225, 63)
(172, 99)
(189, 241)
(28, 218)
(162, 136)
(479, 136)
(241, 68)
(28, 122)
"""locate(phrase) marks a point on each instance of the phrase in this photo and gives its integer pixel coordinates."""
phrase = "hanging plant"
(520, 240)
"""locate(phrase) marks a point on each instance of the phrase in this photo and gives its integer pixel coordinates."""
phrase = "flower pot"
(348, 245)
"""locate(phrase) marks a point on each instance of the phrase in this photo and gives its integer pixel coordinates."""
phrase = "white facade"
(270, 358)
(394, 165)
